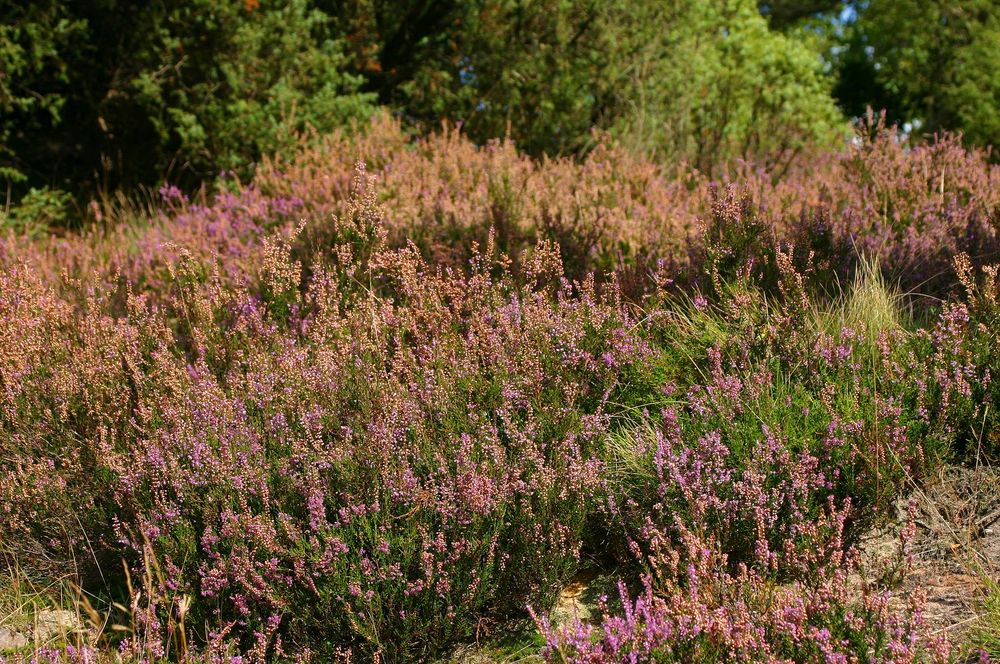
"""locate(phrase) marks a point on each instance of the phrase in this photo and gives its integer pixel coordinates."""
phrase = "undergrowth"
(332, 416)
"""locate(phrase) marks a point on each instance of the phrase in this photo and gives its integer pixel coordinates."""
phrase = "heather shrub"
(702, 613)
(738, 242)
(320, 417)
(958, 389)
(607, 212)
(779, 437)
(376, 457)
(754, 393)
(915, 207)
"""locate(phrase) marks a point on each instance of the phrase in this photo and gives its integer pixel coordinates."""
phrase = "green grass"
(22, 598)
(870, 305)
(985, 636)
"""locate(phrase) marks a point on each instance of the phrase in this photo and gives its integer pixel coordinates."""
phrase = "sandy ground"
(955, 546)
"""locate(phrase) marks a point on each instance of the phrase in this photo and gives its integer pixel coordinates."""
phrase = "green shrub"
(118, 94)
(37, 211)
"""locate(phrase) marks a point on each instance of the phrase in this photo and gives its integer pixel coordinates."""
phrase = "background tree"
(107, 94)
(540, 69)
(785, 13)
(35, 72)
(931, 64)
(712, 83)
(100, 95)
(934, 63)
(703, 81)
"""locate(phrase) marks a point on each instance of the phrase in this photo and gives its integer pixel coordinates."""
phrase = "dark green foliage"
(34, 40)
(709, 83)
(939, 60)
(782, 13)
(544, 70)
(103, 94)
(704, 82)
(931, 64)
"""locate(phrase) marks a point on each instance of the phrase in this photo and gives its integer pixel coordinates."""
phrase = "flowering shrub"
(708, 615)
(913, 208)
(331, 416)
(382, 453)
(741, 499)
(961, 354)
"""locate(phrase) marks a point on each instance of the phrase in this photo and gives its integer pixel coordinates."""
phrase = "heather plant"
(380, 445)
(372, 410)
(609, 212)
(912, 207)
(742, 499)
(702, 613)
(960, 351)
(915, 207)
(754, 384)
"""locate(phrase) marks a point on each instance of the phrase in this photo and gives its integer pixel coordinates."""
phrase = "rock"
(579, 599)
(45, 626)
(52, 623)
(572, 604)
(11, 640)
(471, 654)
